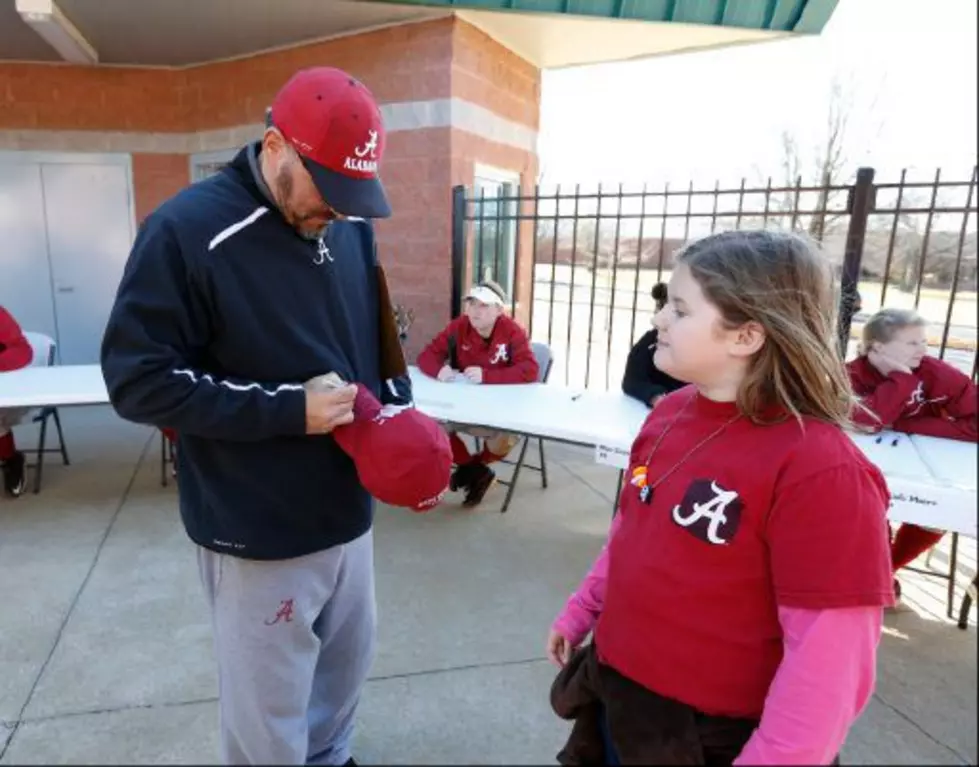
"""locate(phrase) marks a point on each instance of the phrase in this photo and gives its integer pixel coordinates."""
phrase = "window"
(495, 226)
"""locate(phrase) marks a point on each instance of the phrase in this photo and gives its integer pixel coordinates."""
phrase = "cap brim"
(361, 197)
(484, 295)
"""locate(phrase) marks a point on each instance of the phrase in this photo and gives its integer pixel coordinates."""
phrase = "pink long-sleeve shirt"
(822, 685)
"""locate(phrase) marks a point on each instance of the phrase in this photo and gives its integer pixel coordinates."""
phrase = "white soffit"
(553, 41)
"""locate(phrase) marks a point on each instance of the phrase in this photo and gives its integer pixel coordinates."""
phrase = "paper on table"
(612, 456)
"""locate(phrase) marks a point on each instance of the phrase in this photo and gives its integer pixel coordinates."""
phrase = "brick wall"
(415, 243)
(487, 73)
(160, 177)
(406, 63)
(414, 62)
(425, 165)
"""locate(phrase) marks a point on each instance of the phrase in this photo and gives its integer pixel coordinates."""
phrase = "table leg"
(512, 484)
(618, 492)
(967, 600)
(953, 570)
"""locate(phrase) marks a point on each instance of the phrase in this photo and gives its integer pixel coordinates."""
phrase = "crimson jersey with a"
(15, 350)
(505, 357)
(934, 400)
(758, 517)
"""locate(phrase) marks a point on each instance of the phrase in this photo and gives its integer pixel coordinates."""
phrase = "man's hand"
(474, 374)
(446, 373)
(325, 410)
(886, 364)
(558, 649)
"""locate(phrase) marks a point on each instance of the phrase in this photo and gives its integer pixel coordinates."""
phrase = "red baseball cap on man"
(335, 125)
(402, 456)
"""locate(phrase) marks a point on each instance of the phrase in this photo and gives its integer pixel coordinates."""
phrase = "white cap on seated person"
(486, 293)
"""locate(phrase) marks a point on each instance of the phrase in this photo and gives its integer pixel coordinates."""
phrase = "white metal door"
(25, 271)
(89, 228)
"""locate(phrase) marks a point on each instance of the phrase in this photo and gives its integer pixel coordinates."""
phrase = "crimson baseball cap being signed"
(335, 125)
(402, 456)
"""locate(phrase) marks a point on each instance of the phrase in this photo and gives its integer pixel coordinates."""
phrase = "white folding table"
(953, 463)
(605, 421)
(608, 421)
(48, 388)
(932, 484)
(56, 386)
(932, 481)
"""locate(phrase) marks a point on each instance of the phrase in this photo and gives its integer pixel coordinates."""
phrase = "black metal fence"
(594, 255)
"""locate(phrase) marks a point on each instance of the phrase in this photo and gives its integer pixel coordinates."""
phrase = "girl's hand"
(446, 373)
(558, 649)
(885, 364)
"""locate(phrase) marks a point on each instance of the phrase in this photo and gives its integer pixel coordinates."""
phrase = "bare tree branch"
(833, 158)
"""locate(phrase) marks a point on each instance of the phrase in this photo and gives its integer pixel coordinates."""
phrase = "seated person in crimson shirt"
(15, 353)
(482, 346)
(642, 379)
(750, 542)
(906, 390)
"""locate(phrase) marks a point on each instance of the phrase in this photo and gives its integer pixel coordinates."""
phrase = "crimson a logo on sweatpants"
(709, 512)
(283, 614)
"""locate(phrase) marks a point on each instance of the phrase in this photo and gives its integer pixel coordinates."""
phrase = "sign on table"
(612, 456)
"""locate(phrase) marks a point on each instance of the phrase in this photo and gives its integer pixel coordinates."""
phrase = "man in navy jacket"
(239, 290)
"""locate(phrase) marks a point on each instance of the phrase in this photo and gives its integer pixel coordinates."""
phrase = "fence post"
(458, 247)
(860, 204)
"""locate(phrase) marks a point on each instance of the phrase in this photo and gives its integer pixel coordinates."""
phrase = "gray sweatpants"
(294, 640)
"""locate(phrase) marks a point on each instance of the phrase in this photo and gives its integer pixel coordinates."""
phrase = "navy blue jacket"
(223, 312)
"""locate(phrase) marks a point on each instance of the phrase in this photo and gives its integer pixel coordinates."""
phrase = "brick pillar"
(493, 121)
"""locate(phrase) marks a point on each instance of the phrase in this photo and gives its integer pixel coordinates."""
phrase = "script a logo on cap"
(429, 503)
(365, 161)
(388, 412)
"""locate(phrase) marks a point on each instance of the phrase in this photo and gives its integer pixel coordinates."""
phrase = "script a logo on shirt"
(918, 399)
(709, 512)
(322, 252)
(500, 355)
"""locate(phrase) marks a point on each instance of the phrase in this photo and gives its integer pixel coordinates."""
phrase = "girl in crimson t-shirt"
(906, 390)
(747, 568)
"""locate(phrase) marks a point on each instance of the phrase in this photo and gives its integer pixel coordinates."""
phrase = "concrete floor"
(105, 645)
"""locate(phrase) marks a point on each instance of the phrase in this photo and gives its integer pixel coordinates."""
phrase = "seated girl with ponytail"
(908, 391)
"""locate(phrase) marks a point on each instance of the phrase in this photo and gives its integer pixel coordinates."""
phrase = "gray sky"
(720, 114)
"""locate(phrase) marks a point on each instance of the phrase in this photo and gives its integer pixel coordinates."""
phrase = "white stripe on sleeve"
(207, 378)
(236, 227)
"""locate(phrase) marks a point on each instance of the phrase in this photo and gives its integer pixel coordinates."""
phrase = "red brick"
(157, 177)
(434, 60)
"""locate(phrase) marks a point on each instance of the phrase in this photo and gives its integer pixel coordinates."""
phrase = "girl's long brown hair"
(782, 282)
